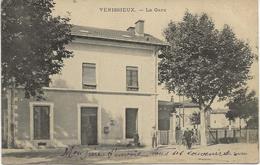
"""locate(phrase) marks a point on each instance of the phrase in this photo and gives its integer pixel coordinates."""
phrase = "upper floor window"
(131, 78)
(89, 75)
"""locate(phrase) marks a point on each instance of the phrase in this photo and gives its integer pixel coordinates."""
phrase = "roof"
(166, 103)
(169, 104)
(186, 105)
(219, 111)
(116, 35)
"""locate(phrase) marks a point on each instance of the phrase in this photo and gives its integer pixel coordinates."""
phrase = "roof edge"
(114, 39)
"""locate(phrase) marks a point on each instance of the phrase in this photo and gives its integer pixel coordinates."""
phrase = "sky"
(241, 15)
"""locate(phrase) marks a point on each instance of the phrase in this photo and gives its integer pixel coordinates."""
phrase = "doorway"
(131, 124)
(88, 125)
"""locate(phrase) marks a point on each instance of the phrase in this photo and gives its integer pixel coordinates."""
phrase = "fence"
(164, 137)
(215, 136)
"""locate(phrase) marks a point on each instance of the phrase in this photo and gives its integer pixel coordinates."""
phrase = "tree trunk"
(11, 122)
(203, 138)
(11, 118)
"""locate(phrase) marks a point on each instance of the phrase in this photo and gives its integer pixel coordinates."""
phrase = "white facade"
(218, 120)
(74, 114)
(111, 60)
(111, 95)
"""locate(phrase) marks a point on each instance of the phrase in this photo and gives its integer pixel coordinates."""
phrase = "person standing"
(136, 140)
(194, 137)
(154, 137)
(187, 136)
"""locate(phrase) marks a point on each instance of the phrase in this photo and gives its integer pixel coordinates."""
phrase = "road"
(221, 153)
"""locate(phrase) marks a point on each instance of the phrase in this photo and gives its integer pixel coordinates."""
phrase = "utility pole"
(183, 111)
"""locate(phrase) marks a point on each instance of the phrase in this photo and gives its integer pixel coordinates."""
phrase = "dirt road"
(221, 153)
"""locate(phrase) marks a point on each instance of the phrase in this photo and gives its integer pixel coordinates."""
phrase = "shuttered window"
(131, 122)
(89, 75)
(41, 122)
(131, 78)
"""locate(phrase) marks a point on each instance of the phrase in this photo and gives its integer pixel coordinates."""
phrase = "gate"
(212, 136)
(163, 137)
(179, 138)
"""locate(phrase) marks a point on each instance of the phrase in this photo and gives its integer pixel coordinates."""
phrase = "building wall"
(111, 65)
(66, 94)
(65, 117)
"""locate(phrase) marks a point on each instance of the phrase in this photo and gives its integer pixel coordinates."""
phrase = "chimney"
(131, 30)
(139, 28)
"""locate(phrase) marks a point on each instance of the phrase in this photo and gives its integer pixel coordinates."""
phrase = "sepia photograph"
(129, 82)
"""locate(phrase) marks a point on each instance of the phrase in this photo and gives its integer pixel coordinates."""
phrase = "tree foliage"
(33, 44)
(195, 118)
(203, 63)
(243, 105)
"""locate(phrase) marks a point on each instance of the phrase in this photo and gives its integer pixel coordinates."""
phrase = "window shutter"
(89, 74)
(135, 78)
(132, 78)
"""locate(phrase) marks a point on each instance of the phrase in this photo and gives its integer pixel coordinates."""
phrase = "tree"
(195, 118)
(244, 105)
(203, 63)
(33, 48)
(33, 44)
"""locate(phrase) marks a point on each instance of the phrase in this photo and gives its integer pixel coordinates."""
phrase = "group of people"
(189, 137)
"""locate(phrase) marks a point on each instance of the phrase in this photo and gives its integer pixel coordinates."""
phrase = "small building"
(184, 111)
(173, 118)
(218, 120)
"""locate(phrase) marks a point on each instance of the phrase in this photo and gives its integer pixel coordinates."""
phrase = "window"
(131, 122)
(41, 122)
(131, 78)
(89, 75)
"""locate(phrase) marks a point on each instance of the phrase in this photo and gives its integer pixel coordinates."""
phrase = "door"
(88, 125)
(131, 122)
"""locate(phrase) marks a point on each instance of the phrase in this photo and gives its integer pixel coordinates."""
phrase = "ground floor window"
(131, 122)
(41, 122)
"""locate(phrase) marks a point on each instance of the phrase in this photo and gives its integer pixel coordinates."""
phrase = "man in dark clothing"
(154, 137)
(187, 136)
